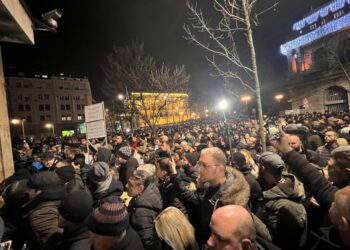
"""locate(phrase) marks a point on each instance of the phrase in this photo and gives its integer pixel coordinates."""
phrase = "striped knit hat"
(110, 218)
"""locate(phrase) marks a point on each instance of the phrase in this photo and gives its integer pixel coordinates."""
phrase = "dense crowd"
(197, 185)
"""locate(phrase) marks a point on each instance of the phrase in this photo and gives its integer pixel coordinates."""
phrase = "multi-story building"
(43, 100)
(318, 55)
(161, 108)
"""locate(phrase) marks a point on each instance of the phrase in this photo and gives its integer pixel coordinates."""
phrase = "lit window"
(63, 118)
(80, 117)
(69, 117)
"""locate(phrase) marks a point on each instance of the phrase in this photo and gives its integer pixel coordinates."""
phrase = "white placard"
(94, 112)
(95, 129)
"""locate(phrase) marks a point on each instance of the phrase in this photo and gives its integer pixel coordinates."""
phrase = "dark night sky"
(89, 28)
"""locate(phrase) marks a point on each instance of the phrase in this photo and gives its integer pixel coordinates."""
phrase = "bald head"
(232, 228)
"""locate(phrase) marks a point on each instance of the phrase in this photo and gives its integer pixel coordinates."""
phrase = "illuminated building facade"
(171, 107)
(316, 53)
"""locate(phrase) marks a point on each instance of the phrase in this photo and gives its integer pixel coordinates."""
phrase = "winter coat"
(284, 209)
(126, 170)
(42, 214)
(143, 209)
(84, 170)
(235, 190)
(131, 241)
(75, 240)
(314, 182)
(170, 196)
(115, 188)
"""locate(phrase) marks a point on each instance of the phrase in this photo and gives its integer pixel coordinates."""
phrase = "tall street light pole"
(223, 105)
(18, 121)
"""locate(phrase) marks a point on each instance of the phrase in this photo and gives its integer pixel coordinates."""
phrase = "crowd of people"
(196, 185)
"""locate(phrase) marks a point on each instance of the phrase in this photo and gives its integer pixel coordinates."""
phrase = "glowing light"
(120, 97)
(223, 105)
(49, 125)
(15, 121)
(279, 97)
(318, 33)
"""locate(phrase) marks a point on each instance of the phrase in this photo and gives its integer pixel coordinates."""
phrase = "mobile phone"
(273, 132)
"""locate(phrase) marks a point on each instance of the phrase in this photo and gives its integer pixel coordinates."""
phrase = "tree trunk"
(255, 74)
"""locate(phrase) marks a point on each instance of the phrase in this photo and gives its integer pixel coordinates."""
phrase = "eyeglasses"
(202, 164)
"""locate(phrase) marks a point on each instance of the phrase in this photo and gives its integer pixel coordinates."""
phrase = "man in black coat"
(128, 164)
(74, 211)
(145, 205)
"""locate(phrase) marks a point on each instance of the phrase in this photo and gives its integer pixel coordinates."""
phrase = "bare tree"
(220, 37)
(128, 69)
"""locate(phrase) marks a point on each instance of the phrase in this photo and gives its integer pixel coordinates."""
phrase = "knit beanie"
(76, 206)
(192, 158)
(124, 152)
(99, 172)
(110, 218)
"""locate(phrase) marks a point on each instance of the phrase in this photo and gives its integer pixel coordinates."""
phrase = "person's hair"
(174, 228)
(149, 168)
(217, 154)
(342, 160)
(79, 159)
(164, 165)
(141, 177)
(247, 155)
(64, 163)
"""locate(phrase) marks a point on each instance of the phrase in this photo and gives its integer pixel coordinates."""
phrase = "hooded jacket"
(109, 187)
(284, 209)
(143, 209)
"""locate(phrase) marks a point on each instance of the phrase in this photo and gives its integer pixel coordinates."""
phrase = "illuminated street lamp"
(50, 125)
(279, 97)
(120, 97)
(20, 121)
(223, 105)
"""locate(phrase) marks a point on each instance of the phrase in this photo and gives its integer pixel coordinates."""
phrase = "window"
(29, 119)
(41, 107)
(76, 88)
(78, 107)
(69, 117)
(19, 97)
(42, 118)
(63, 107)
(60, 87)
(61, 98)
(67, 107)
(28, 108)
(21, 107)
(48, 117)
(80, 117)
(40, 97)
(46, 97)
(47, 107)
(63, 118)
(66, 97)
(18, 84)
(27, 98)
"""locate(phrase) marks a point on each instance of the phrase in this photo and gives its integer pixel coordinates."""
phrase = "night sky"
(89, 28)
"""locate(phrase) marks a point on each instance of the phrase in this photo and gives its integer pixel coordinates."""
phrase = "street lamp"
(223, 105)
(50, 125)
(279, 97)
(120, 97)
(18, 121)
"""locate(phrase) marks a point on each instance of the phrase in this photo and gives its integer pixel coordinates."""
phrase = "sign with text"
(96, 129)
(94, 112)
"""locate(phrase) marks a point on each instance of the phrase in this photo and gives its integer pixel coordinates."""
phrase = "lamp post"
(223, 105)
(50, 125)
(18, 121)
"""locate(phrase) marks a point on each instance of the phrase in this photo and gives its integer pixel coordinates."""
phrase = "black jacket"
(131, 241)
(126, 170)
(170, 196)
(143, 209)
(75, 240)
(314, 182)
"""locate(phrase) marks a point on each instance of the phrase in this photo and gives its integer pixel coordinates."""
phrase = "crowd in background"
(196, 185)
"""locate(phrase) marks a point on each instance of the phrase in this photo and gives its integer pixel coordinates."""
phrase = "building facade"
(161, 108)
(318, 56)
(43, 100)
